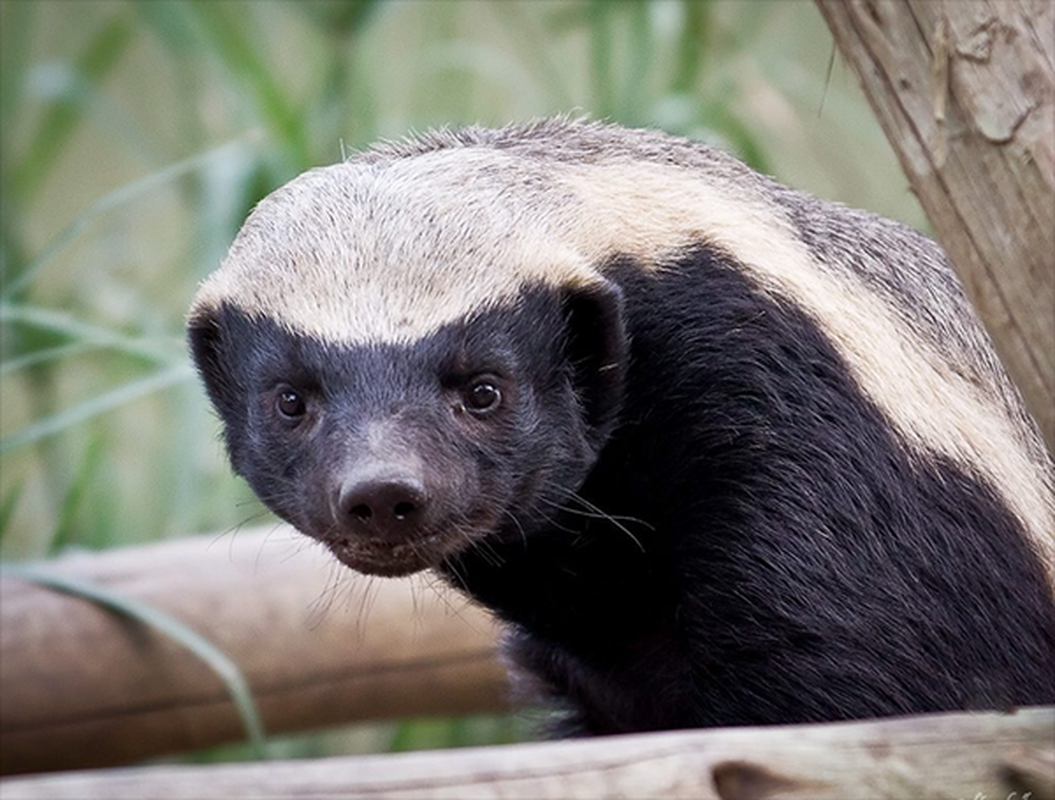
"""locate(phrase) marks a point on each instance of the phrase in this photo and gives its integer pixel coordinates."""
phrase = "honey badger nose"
(386, 507)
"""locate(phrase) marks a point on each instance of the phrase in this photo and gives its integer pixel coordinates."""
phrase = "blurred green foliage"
(137, 135)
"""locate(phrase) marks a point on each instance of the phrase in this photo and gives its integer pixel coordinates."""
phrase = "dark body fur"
(686, 508)
(798, 566)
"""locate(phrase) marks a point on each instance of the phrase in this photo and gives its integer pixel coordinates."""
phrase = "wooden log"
(965, 91)
(940, 756)
(81, 686)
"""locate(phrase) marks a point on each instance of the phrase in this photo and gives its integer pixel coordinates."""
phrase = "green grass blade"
(123, 196)
(342, 19)
(59, 322)
(75, 492)
(100, 404)
(15, 37)
(101, 55)
(238, 53)
(218, 661)
(693, 43)
(424, 734)
(44, 356)
(600, 21)
(8, 506)
(172, 24)
(639, 59)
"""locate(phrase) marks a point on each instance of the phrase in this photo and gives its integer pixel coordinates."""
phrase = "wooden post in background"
(965, 91)
(81, 686)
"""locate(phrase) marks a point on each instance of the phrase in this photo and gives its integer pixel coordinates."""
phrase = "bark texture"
(942, 757)
(965, 91)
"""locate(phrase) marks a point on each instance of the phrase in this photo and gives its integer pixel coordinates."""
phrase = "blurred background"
(137, 135)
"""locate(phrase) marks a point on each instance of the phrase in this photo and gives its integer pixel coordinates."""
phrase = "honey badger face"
(405, 361)
(399, 455)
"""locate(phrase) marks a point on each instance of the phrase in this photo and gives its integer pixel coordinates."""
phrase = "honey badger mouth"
(394, 560)
(397, 552)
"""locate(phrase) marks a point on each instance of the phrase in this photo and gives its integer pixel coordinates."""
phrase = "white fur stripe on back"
(650, 211)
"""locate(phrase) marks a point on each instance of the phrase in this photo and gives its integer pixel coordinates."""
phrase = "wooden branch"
(942, 756)
(965, 90)
(82, 686)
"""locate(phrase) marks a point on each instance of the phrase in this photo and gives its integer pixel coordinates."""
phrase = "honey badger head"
(407, 359)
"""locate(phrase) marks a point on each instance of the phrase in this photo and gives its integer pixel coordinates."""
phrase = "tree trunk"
(965, 90)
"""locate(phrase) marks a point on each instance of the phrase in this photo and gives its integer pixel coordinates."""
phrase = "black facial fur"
(324, 433)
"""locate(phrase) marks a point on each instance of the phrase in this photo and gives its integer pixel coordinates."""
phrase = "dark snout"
(399, 499)
(388, 519)
(388, 503)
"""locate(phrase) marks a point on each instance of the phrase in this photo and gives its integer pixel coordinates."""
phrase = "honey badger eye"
(291, 404)
(482, 396)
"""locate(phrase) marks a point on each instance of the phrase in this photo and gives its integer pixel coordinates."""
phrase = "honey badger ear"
(206, 336)
(597, 347)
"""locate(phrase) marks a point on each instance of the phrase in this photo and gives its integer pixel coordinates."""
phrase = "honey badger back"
(717, 452)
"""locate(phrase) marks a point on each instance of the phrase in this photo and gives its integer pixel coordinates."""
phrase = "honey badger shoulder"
(716, 451)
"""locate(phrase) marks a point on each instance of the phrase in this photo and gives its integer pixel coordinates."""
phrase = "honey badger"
(717, 452)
